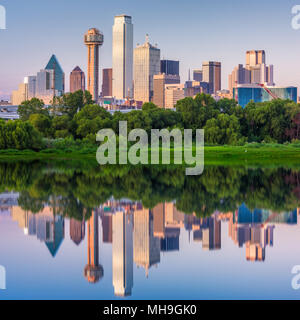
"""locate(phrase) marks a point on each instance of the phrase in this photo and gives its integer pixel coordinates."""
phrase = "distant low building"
(173, 93)
(192, 88)
(159, 83)
(260, 93)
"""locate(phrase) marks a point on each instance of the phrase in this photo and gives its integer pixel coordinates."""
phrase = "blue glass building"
(258, 94)
(169, 67)
(54, 65)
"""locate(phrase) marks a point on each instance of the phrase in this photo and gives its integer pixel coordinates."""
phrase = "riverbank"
(251, 154)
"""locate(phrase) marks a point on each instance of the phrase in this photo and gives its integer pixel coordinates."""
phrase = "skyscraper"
(198, 75)
(50, 81)
(159, 82)
(58, 84)
(107, 82)
(169, 67)
(93, 39)
(212, 75)
(255, 57)
(122, 56)
(77, 80)
(146, 65)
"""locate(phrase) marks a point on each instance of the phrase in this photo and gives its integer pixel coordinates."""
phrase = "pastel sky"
(191, 31)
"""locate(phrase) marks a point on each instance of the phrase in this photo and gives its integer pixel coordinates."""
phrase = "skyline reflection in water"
(122, 249)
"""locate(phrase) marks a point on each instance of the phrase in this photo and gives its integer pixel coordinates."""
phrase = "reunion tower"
(93, 39)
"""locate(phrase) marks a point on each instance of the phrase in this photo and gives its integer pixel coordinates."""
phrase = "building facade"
(159, 83)
(93, 39)
(77, 80)
(107, 82)
(173, 93)
(198, 75)
(122, 56)
(212, 75)
(245, 93)
(146, 65)
(169, 67)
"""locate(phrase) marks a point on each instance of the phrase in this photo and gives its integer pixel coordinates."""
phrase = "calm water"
(72, 230)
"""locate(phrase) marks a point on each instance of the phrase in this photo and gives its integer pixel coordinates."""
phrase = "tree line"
(76, 116)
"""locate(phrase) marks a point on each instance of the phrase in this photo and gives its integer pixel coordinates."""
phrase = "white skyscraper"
(122, 56)
(146, 65)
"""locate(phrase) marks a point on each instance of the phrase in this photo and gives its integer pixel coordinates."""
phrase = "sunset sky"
(191, 31)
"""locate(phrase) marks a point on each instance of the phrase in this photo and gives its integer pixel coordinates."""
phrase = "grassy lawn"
(251, 154)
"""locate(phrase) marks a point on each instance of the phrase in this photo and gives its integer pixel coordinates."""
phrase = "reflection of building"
(93, 39)
(77, 230)
(159, 220)
(106, 228)
(211, 234)
(122, 253)
(249, 231)
(171, 240)
(146, 246)
(93, 271)
(47, 227)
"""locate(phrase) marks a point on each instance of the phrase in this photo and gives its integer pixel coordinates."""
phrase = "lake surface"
(73, 230)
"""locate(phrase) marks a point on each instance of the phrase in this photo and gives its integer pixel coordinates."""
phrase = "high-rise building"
(77, 80)
(20, 95)
(31, 81)
(58, 85)
(50, 81)
(107, 82)
(255, 57)
(255, 72)
(159, 83)
(93, 271)
(198, 75)
(122, 56)
(173, 93)
(212, 75)
(146, 65)
(93, 38)
(169, 67)
(122, 252)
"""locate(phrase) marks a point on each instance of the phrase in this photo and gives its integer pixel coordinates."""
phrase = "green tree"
(33, 106)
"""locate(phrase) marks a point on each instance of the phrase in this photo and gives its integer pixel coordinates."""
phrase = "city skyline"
(191, 53)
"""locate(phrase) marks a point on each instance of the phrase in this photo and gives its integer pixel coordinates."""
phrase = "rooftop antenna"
(189, 74)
